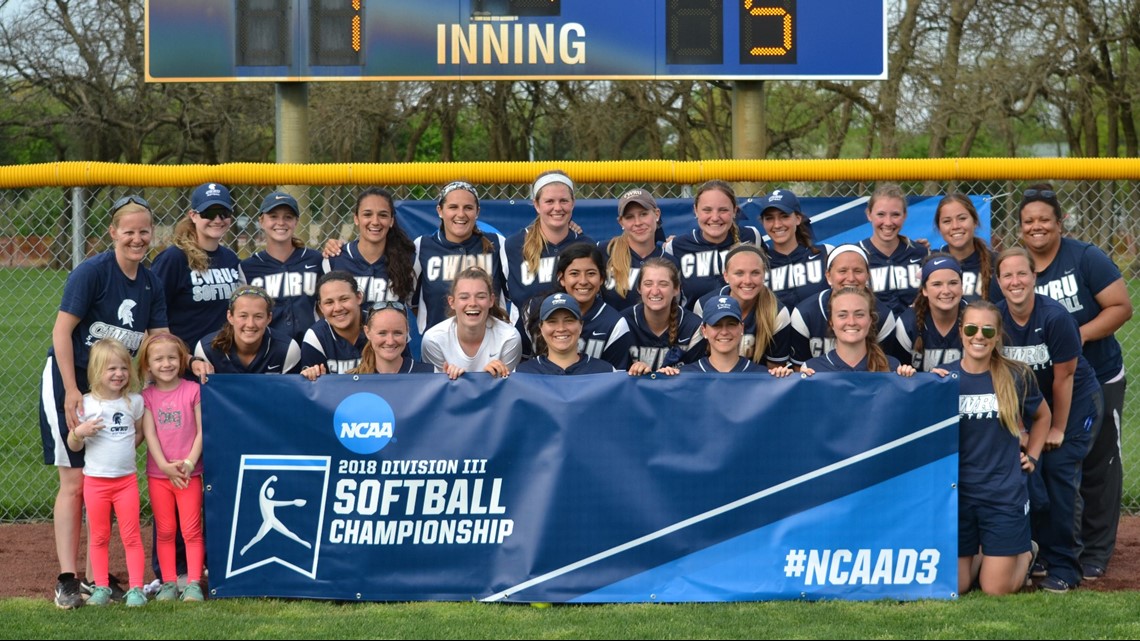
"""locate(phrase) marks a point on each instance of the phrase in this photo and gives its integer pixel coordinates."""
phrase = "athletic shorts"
(53, 426)
(997, 530)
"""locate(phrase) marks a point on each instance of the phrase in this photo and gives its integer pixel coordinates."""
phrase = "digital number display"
(424, 40)
(767, 32)
(694, 32)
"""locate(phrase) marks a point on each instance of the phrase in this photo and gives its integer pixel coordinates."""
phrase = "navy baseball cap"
(555, 302)
(277, 199)
(721, 307)
(211, 195)
(938, 262)
(781, 199)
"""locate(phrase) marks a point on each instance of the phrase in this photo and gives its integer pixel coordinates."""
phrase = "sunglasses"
(127, 200)
(988, 331)
(1039, 193)
(212, 213)
(389, 304)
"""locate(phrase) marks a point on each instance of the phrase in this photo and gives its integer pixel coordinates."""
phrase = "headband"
(548, 179)
(458, 184)
(843, 249)
(940, 262)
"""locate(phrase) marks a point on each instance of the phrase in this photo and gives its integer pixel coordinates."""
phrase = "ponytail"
(620, 264)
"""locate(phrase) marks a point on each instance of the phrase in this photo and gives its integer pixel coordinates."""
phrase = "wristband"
(197, 359)
(1031, 460)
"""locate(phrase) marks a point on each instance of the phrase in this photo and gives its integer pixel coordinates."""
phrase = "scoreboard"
(309, 40)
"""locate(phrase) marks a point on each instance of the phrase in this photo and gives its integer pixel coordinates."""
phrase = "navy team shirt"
(197, 301)
(278, 354)
(371, 277)
(989, 456)
(831, 362)
(797, 276)
(110, 305)
(585, 365)
(1050, 336)
(632, 340)
(323, 346)
(522, 284)
(702, 263)
(438, 261)
(778, 351)
(293, 286)
(1074, 278)
(937, 349)
(972, 274)
(895, 279)
(742, 365)
(632, 297)
(810, 334)
(597, 325)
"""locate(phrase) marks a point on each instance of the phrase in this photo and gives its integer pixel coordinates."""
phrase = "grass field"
(1082, 614)
(31, 296)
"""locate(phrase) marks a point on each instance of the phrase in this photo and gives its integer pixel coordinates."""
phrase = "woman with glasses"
(926, 335)
(1085, 280)
(957, 220)
(455, 246)
(198, 273)
(1045, 337)
(108, 295)
(477, 336)
(247, 344)
(285, 268)
(997, 396)
(333, 344)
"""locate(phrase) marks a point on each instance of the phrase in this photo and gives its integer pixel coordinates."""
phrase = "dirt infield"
(28, 564)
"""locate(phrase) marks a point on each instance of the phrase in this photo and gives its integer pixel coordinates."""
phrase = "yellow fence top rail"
(84, 174)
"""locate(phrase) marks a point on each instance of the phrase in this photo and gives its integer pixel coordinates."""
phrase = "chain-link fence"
(42, 230)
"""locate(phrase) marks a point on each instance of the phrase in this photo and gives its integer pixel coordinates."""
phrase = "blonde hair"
(767, 305)
(1014, 252)
(186, 238)
(102, 354)
(149, 344)
(620, 263)
(1005, 372)
(876, 358)
(534, 242)
(726, 189)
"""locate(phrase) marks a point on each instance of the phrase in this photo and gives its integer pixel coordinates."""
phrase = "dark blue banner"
(602, 488)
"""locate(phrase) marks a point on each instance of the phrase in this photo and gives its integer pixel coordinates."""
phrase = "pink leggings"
(163, 499)
(99, 496)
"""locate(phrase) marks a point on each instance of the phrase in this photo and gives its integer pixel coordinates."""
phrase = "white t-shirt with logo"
(110, 453)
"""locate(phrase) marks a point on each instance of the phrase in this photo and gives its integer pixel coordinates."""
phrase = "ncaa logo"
(364, 423)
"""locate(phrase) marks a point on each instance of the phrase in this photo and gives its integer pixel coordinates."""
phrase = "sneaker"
(117, 591)
(68, 594)
(168, 592)
(1054, 585)
(1038, 570)
(99, 596)
(135, 598)
(193, 592)
(1092, 572)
